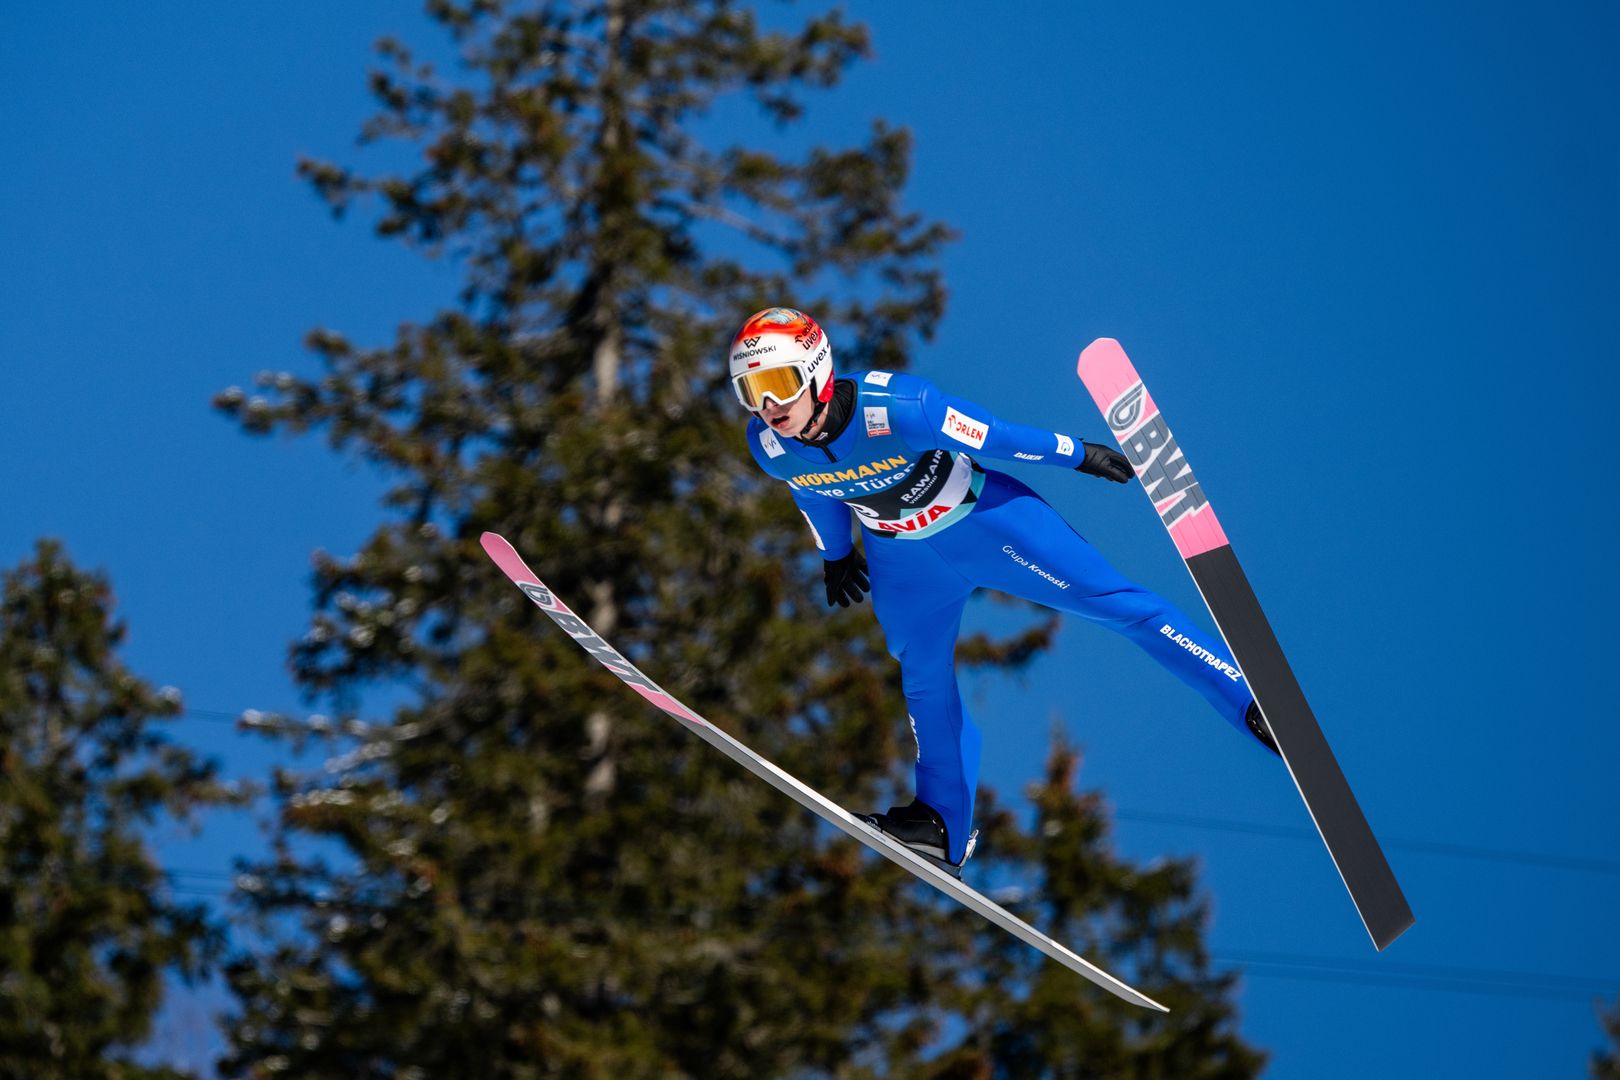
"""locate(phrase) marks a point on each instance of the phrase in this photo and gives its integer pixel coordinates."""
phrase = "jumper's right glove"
(846, 579)
(1106, 462)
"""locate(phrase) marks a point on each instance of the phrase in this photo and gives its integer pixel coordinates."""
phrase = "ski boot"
(920, 828)
(1259, 728)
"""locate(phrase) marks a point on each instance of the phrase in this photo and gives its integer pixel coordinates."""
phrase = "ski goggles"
(781, 384)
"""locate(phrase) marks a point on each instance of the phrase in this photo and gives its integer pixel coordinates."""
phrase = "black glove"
(846, 580)
(1106, 462)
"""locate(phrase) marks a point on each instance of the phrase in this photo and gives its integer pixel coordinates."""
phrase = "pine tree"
(88, 924)
(1026, 1019)
(1605, 1063)
(524, 872)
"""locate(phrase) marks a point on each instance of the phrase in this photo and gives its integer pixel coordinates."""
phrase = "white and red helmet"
(779, 354)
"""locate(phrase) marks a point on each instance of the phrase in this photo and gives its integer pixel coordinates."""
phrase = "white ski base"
(515, 568)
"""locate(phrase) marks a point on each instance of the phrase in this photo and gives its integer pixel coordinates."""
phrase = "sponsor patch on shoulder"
(879, 378)
(1065, 446)
(964, 429)
(877, 420)
(773, 446)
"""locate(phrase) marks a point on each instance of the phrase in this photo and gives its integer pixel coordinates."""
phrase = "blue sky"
(1364, 255)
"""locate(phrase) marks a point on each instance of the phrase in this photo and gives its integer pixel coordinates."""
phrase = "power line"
(1437, 977)
(216, 715)
(217, 875)
(1442, 978)
(1431, 847)
(1428, 985)
(1400, 969)
(1197, 821)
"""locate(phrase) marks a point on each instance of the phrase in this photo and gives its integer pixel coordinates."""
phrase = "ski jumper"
(939, 525)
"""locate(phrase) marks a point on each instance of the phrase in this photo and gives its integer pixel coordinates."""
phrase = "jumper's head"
(779, 354)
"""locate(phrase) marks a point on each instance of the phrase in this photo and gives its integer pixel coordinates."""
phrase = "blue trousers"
(1013, 541)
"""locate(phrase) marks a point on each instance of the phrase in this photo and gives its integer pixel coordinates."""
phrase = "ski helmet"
(779, 354)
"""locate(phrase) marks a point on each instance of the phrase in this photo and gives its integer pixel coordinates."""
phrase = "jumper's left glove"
(846, 579)
(1106, 462)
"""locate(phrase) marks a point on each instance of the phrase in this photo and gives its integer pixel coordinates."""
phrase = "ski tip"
(1103, 346)
(506, 557)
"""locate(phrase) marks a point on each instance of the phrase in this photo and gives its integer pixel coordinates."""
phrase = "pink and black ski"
(1142, 434)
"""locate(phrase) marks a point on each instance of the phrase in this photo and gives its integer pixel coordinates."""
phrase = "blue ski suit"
(939, 525)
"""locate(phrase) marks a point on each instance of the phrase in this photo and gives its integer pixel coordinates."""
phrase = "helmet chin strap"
(815, 414)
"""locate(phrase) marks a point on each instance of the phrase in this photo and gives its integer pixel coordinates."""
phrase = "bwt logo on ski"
(1158, 461)
(1123, 412)
(539, 594)
(587, 639)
